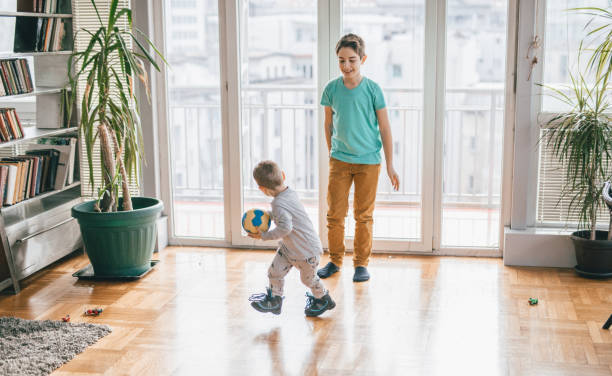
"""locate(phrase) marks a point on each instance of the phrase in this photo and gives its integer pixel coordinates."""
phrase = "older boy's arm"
(284, 225)
(387, 141)
(328, 126)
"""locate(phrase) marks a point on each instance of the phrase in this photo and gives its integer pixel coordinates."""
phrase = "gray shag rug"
(38, 347)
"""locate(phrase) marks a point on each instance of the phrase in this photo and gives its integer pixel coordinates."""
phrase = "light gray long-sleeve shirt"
(293, 226)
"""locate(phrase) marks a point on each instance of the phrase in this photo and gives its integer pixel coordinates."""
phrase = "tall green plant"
(582, 140)
(109, 108)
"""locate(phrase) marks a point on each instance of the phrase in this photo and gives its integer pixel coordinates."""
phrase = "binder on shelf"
(27, 30)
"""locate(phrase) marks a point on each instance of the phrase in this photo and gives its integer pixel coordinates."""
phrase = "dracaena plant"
(581, 139)
(109, 108)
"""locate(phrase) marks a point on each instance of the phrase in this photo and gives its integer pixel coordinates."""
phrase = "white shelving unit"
(40, 230)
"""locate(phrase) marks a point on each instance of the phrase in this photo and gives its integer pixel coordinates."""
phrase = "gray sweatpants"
(281, 265)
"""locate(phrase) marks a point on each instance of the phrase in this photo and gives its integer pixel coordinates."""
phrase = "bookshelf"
(39, 230)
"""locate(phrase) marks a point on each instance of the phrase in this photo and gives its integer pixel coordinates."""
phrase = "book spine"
(19, 126)
(3, 127)
(3, 176)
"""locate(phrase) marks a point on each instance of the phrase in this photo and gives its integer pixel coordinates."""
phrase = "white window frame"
(527, 128)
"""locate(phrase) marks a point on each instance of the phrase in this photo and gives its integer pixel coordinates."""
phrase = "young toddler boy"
(299, 247)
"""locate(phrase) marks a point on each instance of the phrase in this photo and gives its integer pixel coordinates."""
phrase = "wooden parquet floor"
(418, 315)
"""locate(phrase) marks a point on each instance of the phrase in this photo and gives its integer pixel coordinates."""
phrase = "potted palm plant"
(118, 232)
(582, 141)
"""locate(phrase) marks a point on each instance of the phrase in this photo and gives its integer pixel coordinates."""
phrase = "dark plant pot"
(119, 243)
(593, 256)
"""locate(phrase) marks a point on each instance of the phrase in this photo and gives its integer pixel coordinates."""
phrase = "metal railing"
(280, 123)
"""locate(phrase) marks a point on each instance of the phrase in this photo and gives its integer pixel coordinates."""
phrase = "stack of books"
(15, 76)
(10, 125)
(46, 166)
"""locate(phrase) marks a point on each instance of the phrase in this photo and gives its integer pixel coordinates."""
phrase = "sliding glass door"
(473, 123)
(395, 37)
(440, 63)
(194, 118)
(278, 98)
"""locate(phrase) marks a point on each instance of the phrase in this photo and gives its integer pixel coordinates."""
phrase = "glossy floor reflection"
(418, 315)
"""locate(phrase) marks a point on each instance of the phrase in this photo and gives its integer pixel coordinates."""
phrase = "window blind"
(552, 210)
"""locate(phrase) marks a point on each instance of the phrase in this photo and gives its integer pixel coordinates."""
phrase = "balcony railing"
(280, 123)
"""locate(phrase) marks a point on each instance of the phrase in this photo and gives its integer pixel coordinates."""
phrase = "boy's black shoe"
(267, 302)
(315, 307)
(361, 274)
(328, 270)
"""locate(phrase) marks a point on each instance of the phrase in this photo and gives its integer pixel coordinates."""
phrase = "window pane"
(394, 34)
(473, 122)
(565, 29)
(192, 49)
(278, 41)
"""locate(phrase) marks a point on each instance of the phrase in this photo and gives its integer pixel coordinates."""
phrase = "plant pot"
(120, 243)
(594, 257)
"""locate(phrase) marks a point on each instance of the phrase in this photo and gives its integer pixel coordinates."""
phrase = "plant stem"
(127, 197)
(108, 161)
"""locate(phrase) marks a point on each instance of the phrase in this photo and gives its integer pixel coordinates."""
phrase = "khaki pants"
(341, 177)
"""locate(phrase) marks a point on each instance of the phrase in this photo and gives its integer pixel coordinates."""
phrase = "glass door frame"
(329, 26)
(330, 30)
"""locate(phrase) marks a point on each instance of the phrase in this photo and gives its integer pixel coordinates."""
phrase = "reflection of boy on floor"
(300, 246)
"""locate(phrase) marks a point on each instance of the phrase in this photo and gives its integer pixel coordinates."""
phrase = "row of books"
(44, 167)
(66, 145)
(16, 78)
(48, 36)
(10, 125)
(44, 6)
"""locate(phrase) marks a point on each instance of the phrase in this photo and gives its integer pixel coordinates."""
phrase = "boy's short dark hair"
(353, 41)
(267, 174)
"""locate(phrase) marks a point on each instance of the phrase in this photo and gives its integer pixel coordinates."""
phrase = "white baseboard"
(539, 247)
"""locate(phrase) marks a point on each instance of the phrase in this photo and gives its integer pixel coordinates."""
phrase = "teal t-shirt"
(355, 132)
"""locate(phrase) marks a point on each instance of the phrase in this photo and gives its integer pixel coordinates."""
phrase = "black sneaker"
(361, 274)
(328, 270)
(315, 307)
(267, 302)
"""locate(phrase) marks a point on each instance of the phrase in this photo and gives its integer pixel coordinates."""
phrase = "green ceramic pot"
(121, 243)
